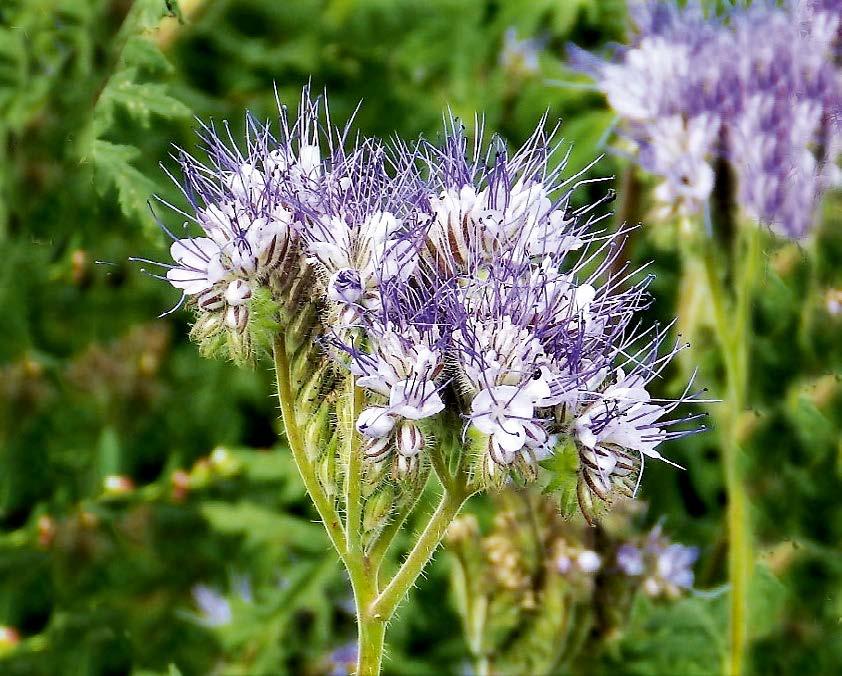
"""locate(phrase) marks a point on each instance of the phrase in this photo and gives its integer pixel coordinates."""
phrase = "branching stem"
(733, 335)
(375, 603)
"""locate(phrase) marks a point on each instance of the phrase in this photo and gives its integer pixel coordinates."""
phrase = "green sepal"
(263, 323)
(377, 510)
(317, 430)
(561, 477)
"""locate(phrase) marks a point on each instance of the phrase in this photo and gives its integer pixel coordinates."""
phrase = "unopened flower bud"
(326, 472)
(630, 560)
(207, 326)
(345, 286)
(46, 530)
(404, 466)
(223, 462)
(237, 317)
(377, 509)
(180, 485)
(377, 449)
(375, 422)
(80, 266)
(211, 300)
(117, 485)
(499, 454)
(238, 292)
(9, 638)
(410, 439)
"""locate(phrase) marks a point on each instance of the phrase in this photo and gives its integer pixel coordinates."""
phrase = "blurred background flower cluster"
(151, 521)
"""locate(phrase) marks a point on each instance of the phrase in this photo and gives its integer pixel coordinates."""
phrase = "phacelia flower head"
(455, 283)
(240, 234)
(357, 224)
(757, 89)
(487, 203)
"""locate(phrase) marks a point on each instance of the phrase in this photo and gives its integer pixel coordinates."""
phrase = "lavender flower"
(247, 236)
(214, 608)
(666, 568)
(621, 424)
(757, 88)
(630, 560)
(533, 344)
(401, 370)
(520, 56)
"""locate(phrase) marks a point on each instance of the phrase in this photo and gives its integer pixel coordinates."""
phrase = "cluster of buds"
(535, 570)
(220, 464)
(758, 90)
(455, 283)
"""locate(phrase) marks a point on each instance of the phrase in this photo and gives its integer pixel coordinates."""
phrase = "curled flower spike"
(488, 204)
(401, 371)
(356, 227)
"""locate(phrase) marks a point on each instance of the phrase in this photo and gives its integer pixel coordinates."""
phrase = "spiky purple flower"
(454, 281)
(240, 233)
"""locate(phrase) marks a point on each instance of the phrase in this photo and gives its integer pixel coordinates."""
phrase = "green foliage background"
(93, 384)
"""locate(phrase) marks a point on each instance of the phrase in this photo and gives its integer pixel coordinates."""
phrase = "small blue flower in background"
(342, 661)
(665, 568)
(520, 56)
(214, 607)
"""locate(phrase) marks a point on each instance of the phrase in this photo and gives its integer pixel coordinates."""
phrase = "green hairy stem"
(732, 326)
(376, 596)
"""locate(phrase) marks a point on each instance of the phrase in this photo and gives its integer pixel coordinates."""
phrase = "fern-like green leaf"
(113, 168)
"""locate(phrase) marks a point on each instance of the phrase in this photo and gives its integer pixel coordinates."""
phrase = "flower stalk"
(732, 326)
(375, 601)
(326, 509)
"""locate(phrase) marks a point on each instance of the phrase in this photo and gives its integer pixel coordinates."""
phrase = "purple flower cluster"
(456, 282)
(759, 88)
(666, 568)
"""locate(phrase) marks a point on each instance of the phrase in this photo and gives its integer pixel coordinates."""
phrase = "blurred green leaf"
(113, 168)
(261, 524)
